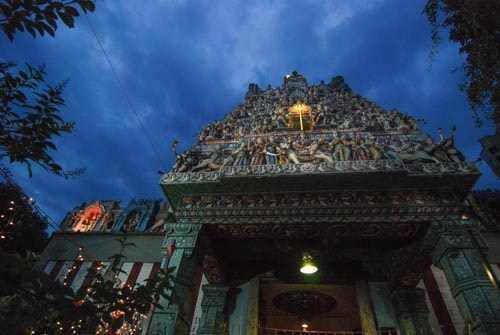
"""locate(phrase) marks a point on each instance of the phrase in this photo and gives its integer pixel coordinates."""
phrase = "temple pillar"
(179, 251)
(411, 311)
(212, 306)
(460, 251)
(253, 307)
(368, 325)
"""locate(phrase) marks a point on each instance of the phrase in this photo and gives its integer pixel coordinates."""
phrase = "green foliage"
(40, 17)
(475, 25)
(29, 118)
(36, 304)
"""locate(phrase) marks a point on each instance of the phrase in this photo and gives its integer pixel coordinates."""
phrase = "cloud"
(338, 12)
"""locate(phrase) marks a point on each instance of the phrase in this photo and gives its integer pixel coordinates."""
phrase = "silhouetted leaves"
(475, 25)
(40, 17)
(29, 118)
(22, 229)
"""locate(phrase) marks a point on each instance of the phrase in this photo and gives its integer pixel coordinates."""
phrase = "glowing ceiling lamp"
(308, 266)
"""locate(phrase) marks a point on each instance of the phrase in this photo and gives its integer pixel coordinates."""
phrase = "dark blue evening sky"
(187, 63)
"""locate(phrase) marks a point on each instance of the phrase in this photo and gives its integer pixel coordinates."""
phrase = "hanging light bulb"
(308, 266)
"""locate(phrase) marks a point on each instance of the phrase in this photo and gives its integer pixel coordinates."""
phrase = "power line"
(124, 90)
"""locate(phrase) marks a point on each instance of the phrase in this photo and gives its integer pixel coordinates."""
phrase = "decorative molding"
(319, 208)
(181, 236)
(305, 303)
(311, 230)
(214, 295)
(323, 168)
(137, 215)
(212, 306)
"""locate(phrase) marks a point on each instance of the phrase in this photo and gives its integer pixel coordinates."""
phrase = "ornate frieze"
(311, 230)
(319, 207)
(324, 168)
(305, 303)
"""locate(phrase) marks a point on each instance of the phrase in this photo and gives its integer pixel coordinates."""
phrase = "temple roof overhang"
(331, 176)
(324, 193)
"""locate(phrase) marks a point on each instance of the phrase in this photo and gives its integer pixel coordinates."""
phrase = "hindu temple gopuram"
(383, 214)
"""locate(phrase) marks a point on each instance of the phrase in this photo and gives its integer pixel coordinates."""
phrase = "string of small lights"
(34, 206)
(69, 274)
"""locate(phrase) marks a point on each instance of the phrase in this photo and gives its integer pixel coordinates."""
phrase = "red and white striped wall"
(75, 273)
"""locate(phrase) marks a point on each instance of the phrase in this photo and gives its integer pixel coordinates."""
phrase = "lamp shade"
(307, 265)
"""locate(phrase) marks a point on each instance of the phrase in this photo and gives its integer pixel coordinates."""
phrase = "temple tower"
(318, 169)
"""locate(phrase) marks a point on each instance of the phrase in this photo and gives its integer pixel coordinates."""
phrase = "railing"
(274, 331)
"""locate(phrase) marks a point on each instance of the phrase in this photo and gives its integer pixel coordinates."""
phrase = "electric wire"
(129, 100)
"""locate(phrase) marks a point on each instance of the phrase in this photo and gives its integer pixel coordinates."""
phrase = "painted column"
(459, 251)
(179, 252)
(253, 307)
(366, 314)
(212, 306)
(411, 310)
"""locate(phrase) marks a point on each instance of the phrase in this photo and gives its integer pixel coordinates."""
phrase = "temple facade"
(316, 173)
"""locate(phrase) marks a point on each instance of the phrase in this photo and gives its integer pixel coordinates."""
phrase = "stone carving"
(300, 123)
(312, 230)
(305, 303)
(318, 207)
(320, 168)
(92, 216)
(137, 216)
(457, 248)
(212, 306)
(485, 205)
(107, 215)
(212, 270)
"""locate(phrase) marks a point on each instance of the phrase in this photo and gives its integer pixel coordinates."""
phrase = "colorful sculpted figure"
(183, 162)
(410, 152)
(339, 145)
(288, 149)
(215, 161)
(241, 155)
(318, 150)
(359, 150)
(447, 146)
(271, 151)
(258, 152)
